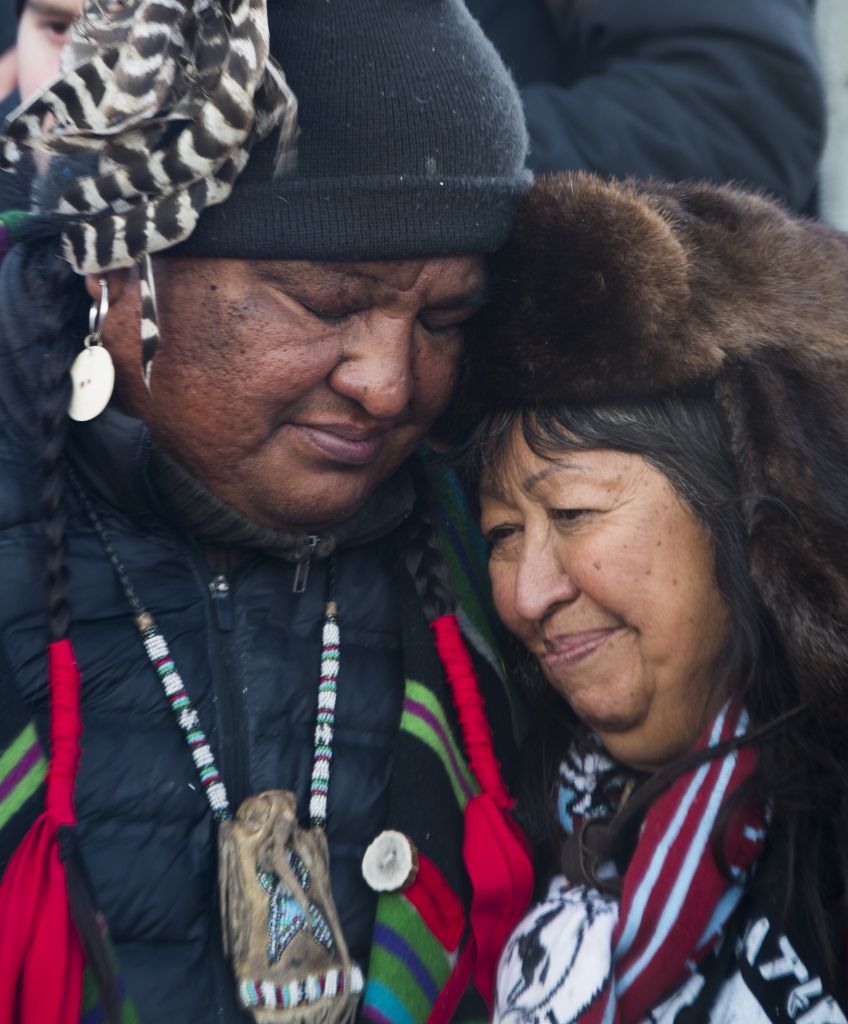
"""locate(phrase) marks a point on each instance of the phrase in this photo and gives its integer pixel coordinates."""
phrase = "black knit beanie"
(412, 139)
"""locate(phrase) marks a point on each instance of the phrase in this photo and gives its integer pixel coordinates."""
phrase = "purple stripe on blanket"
(422, 712)
(394, 943)
(20, 770)
(367, 1012)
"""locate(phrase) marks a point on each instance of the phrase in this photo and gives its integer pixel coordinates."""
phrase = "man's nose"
(377, 368)
(542, 582)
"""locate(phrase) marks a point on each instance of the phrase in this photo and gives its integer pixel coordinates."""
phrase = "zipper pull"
(222, 602)
(301, 573)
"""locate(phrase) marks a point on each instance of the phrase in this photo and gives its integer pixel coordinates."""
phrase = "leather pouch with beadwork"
(280, 925)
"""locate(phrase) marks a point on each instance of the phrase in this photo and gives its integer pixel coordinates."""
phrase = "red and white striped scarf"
(582, 957)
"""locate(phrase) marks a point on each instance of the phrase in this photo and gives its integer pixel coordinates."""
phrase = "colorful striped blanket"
(418, 934)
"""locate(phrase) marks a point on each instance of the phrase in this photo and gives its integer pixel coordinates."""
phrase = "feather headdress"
(169, 97)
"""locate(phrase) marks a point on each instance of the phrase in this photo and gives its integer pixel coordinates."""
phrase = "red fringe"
(496, 853)
(41, 957)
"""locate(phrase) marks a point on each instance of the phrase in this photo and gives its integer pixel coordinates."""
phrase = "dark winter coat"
(673, 88)
(248, 649)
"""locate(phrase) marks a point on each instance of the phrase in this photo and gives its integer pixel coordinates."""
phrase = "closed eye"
(569, 515)
(329, 316)
(499, 534)
(435, 327)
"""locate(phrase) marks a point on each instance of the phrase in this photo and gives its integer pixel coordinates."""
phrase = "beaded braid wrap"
(325, 718)
(186, 715)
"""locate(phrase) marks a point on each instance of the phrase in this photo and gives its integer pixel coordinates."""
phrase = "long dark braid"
(423, 555)
(43, 308)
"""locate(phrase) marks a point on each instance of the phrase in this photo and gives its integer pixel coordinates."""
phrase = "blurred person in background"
(31, 56)
(832, 37)
(30, 61)
(8, 18)
(667, 88)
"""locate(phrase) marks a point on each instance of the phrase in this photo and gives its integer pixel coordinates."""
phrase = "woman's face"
(606, 575)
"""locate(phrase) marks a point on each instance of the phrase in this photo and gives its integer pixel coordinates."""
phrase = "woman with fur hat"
(663, 472)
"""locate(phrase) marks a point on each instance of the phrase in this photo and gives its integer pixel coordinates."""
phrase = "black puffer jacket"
(679, 89)
(249, 654)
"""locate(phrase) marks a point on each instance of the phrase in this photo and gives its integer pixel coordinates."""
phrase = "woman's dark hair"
(801, 776)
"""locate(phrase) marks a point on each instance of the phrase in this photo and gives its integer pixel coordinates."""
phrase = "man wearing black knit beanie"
(244, 546)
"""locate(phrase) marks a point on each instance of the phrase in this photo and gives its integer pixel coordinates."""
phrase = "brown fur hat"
(619, 291)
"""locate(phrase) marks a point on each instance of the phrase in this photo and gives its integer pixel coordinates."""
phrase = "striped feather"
(149, 319)
(172, 95)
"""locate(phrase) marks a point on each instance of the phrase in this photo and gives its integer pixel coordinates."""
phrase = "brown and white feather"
(172, 96)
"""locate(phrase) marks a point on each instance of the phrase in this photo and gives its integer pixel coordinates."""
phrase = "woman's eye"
(498, 535)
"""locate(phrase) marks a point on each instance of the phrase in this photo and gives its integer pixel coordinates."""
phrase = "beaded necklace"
(159, 656)
(286, 916)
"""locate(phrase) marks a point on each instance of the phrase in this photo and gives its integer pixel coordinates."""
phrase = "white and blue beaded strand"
(325, 720)
(187, 718)
(159, 656)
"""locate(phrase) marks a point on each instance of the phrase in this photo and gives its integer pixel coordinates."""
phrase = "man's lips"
(569, 648)
(342, 442)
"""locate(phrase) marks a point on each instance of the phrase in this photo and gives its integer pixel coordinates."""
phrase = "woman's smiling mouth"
(568, 649)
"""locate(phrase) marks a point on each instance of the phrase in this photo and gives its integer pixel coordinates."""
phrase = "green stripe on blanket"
(424, 717)
(22, 770)
(408, 966)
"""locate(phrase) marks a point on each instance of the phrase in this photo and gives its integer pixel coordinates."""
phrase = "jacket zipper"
(229, 707)
(301, 573)
(222, 602)
(229, 712)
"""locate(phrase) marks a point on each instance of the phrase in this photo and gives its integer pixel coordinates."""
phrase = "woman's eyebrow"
(529, 483)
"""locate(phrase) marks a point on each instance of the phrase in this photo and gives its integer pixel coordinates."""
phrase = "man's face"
(291, 390)
(43, 30)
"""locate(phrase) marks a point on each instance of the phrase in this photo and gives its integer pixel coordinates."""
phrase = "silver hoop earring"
(93, 372)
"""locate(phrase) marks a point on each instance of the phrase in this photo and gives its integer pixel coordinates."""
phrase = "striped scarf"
(583, 957)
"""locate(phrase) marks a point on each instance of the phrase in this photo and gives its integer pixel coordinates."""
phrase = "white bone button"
(390, 863)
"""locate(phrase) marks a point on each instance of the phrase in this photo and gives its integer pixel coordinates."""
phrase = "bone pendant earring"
(93, 372)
